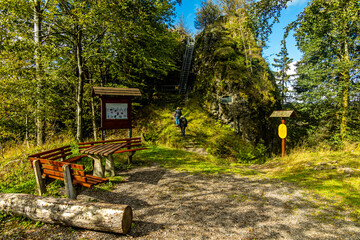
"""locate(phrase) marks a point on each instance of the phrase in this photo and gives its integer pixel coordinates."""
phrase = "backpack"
(183, 122)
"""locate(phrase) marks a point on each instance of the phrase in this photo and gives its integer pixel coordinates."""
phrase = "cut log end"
(127, 219)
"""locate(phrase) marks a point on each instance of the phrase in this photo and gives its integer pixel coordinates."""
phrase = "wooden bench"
(132, 145)
(71, 174)
(46, 167)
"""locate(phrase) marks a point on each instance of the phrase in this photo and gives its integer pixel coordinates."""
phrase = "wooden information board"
(116, 106)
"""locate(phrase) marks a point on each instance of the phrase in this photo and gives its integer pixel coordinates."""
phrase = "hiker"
(177, 116)
(183, 124)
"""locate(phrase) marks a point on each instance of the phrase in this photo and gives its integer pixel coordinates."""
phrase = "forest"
(53, 52)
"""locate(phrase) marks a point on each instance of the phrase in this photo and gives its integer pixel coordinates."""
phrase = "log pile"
(89, 215)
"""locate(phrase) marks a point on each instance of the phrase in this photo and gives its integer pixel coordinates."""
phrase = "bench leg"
(69, 188)
(110, 166)
(39, 181)
(131, 154)
(98, 169)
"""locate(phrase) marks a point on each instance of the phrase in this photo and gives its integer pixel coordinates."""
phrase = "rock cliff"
(234, 79)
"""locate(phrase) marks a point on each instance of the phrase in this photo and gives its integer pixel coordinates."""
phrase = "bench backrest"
(130, 142)
(54, 154)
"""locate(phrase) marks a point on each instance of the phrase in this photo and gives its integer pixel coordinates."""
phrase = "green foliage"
(282, 63)
(230, 146)
(328, 73)
(202, 131)
(17, 177)
(83, 43)
(207, 14)
(264, 14)
(228, 51)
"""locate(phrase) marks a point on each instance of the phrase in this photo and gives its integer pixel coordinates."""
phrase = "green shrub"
(230, 145)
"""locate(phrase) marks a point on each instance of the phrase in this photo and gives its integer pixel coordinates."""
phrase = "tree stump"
(89, 215)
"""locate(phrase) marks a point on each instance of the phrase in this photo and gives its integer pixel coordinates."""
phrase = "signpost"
(226, 100)
(282, 129)
(116, 107)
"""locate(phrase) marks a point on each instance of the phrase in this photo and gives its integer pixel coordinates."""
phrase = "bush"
(232, 146)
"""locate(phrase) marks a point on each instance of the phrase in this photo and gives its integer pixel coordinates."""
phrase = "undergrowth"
(203, 131)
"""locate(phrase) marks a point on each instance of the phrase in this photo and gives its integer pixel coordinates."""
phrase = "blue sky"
(188, 8)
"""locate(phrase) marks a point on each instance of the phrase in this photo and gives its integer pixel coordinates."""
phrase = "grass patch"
(189, 162)
(318, 173)
(321, 173)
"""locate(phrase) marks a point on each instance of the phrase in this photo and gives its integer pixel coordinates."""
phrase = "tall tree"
(207, 14)
(328, 33)
(38, 35)
(106, 43)
(282, 63)
(264, 14)
(22, 59)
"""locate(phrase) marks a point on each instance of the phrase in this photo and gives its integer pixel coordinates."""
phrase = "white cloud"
(292, 70)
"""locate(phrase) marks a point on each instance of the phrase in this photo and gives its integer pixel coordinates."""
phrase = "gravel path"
(176, 205)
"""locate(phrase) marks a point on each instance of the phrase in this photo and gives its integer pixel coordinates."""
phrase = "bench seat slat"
(59, 169)
(100, 148)
(97, 178)
(53, 176)
(61, 174)
(88, 185)
(53, 173)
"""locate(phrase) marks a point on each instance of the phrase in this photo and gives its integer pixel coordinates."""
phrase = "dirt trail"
(177, 205)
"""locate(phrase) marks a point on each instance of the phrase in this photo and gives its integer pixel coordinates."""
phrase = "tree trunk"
(1, 151)
(345, 106)
(39, 114)
(80, 88)
(345, 77)
(90, 215)
(93, 115)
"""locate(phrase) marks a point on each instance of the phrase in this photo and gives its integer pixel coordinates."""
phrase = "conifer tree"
(282, 63)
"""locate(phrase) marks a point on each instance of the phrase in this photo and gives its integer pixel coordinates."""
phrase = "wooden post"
(283, 141)
(39, 181)
(131, 153)
(1, 151)
(103, 135)
(69, 188)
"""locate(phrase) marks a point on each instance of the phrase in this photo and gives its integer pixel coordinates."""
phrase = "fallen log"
(89, 215)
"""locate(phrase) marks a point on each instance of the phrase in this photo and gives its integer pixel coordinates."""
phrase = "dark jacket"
(177, 113)
(183, 122)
